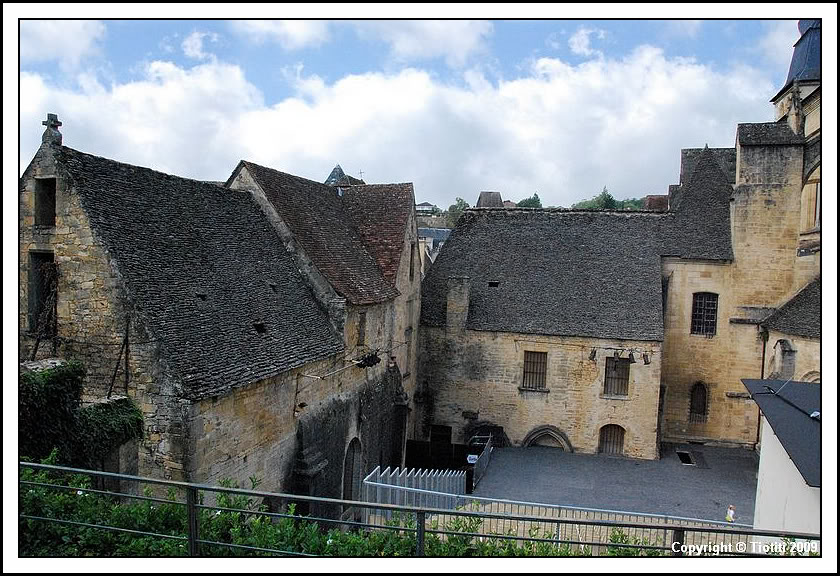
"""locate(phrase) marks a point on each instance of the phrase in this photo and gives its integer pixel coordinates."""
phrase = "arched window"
(812, 376)
(698, 408)
(611, 440)
(352, 478)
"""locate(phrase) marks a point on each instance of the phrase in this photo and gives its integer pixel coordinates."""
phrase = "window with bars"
(704, 314)
(698, 408)
(617, 376)
(611, 439)
(533, 377)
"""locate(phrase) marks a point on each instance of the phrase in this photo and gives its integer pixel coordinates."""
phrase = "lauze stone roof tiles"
(173, 239)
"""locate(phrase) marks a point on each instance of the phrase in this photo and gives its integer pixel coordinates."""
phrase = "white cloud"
(193, 45)
(68, 42)
(579, 42)
(560, 129)
(456, 41)
(290, 34)
(776, 45)
(686, 28)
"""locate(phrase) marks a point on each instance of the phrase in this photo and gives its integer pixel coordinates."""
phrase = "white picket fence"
(442, 489)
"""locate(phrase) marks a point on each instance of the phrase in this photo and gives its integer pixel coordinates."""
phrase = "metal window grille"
(698, 408)
(611, 440)
(617, 376)
(535, 369)
(704, 314)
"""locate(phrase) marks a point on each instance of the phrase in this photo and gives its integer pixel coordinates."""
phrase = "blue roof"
(805, 63)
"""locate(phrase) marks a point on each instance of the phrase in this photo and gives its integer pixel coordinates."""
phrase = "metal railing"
(483, 461)
(579, 534)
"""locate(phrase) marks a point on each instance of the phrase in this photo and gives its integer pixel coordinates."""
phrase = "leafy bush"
(77, 436)
(53, 396)
(617, 536)
(237, 525)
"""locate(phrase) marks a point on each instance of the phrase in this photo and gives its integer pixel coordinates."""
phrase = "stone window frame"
(616, 393)
(34, 325)
(704, 312)
(536, 379)
(44, 201)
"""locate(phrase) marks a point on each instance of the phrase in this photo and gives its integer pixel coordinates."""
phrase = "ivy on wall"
(50, 416)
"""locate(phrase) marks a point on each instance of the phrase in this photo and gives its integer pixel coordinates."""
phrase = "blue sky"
(558, 107)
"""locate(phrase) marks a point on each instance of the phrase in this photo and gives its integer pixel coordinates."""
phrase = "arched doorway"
(550, 436)
(352, 479)
(611, 440)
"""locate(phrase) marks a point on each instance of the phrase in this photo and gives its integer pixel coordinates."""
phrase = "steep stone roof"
(725, 158)
(380, 213)
(576, 272)
(570, 273)
(801, 315)
(701, 214)
(338, 178)
(489, 199)
(201, 265)
(767, 133)
(316, 216)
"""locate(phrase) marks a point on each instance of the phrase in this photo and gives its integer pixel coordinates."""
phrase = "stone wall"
(719, 362)
(92, 312)
(473, 377)
(805, 357)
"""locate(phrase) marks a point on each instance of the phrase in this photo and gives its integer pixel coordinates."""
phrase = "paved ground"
(721, 477)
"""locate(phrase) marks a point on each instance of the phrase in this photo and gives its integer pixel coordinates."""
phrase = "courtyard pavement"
(722, 476)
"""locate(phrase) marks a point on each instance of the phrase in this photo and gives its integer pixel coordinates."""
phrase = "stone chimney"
(457, 302)
(51, 135)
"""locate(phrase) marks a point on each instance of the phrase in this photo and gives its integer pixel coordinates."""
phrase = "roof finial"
(707, 146)
(51, 134)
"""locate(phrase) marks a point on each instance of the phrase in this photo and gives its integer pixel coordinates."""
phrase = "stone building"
(265, 329)
(695, 288)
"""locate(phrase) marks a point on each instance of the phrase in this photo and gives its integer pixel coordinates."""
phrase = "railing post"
(421, 533)
(679, 536)
(192, 521)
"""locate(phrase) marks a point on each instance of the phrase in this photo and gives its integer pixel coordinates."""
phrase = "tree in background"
(455, 211)
(606, 201)
(532, 202)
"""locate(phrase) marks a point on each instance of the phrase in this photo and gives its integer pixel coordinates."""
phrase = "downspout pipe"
(764, 335)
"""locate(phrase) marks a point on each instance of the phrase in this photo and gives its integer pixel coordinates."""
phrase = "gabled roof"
(725, 158)
(434, 233)
(801, 315)
(701, 207)
(569, 273)
(338, 178)
(788, 407)
(380, 213)
(576, 272)
(201, 265)
(316, 216)
(489, 199)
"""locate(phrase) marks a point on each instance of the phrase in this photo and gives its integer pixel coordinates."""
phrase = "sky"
(557, 107)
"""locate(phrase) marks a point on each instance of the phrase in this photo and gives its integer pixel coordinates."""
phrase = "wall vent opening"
(493, 284)
(685, 458)
(259, 327)
(201, 296)
(273, 286)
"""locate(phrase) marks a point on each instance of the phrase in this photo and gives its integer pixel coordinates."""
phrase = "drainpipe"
(764, 335)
